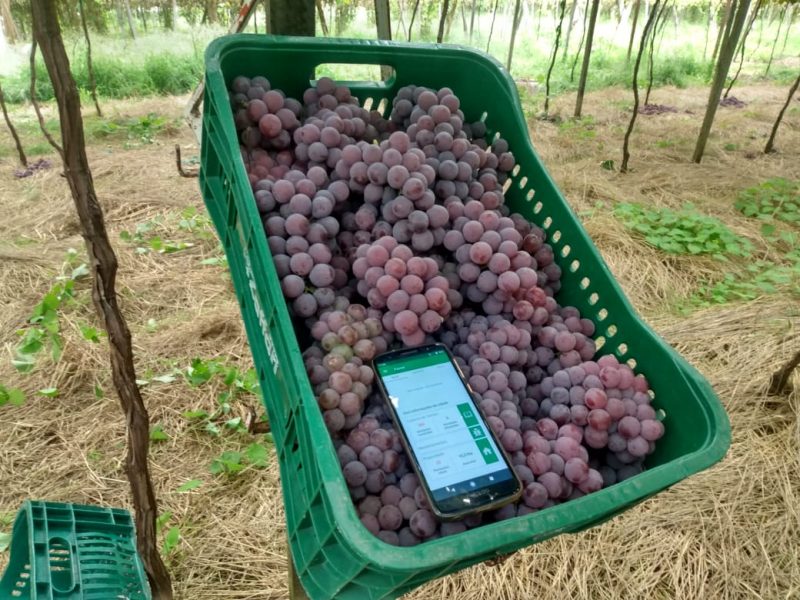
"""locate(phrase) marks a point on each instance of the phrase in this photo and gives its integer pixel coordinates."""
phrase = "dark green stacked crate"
(335, 556)
(73, 552)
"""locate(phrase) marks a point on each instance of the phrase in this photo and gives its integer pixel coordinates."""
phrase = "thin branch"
(254, 423)
(491, 27)
(563, 9)
(22, 158)
(580, 44)
(89, 65)
(775, 42)
(514, 28)
(741, 47)
(770, 147)
(413, 16)
(779, 382)
(442, 21)
(35, 104)
(653, 16)
(659, 20)
(179, 164)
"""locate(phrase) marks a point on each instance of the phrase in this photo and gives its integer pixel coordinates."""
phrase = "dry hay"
(729, 532)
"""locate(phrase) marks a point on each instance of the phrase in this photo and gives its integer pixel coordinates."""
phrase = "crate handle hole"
(537, 208)
(602, 314)
(556, 236)
(594, 298)
(585, 283)
(611, 331)
(631, 362)
(599, 342)
(622, 349)
(547, 222)
(507, 185)
(523, 182)
(60, 564)
(515, 171)
(529, 195)
(566, 250)
(368, 102)
(355, 74)
(575, 265)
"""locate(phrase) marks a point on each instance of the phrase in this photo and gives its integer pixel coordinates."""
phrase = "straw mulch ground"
(730, 532)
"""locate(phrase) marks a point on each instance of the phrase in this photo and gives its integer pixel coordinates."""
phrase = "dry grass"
(730, 532)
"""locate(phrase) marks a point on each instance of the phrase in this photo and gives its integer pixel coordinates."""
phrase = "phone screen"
(451, 443)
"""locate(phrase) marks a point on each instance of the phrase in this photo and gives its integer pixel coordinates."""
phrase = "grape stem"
(779, 382)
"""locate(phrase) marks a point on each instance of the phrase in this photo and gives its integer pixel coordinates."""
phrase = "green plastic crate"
(73, 552)
(334, 555)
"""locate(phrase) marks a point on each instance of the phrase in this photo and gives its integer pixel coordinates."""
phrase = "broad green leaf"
(50, 392)
(212, 428)
(98, 391)
(163, 519)
(190, 485)
(157, 433)
(91, 334)
(23, 362)
(56, 347)
(193, 415)
(171, 539)
(257, 454)
(32, 343)
(234, 423)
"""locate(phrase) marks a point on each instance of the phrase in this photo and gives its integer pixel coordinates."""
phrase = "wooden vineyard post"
(726, 51)
(587, 55)
(47, 33)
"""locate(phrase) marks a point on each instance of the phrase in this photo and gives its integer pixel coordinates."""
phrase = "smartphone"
(461, 466)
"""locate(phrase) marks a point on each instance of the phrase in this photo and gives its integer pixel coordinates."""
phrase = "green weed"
(11, 395)
(146, 237)
(581, 128)
(682, 232)
(773, 199)
(44, 328)
(759, 278)
(138, 129)
(231, 462)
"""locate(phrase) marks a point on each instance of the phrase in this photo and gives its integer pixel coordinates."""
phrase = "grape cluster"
(389, 499)
(394, 232)
(265, 118)
(408, 289)
(611, 404)
(338, 364)
(334, 122)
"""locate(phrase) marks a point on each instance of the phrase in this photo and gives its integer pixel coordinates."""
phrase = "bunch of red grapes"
(390, 232)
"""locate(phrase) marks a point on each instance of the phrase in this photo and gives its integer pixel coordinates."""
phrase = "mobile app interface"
(451, 443)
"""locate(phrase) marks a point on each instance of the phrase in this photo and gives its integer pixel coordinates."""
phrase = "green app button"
(487, 453)
(468, 414)
(477, 432)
